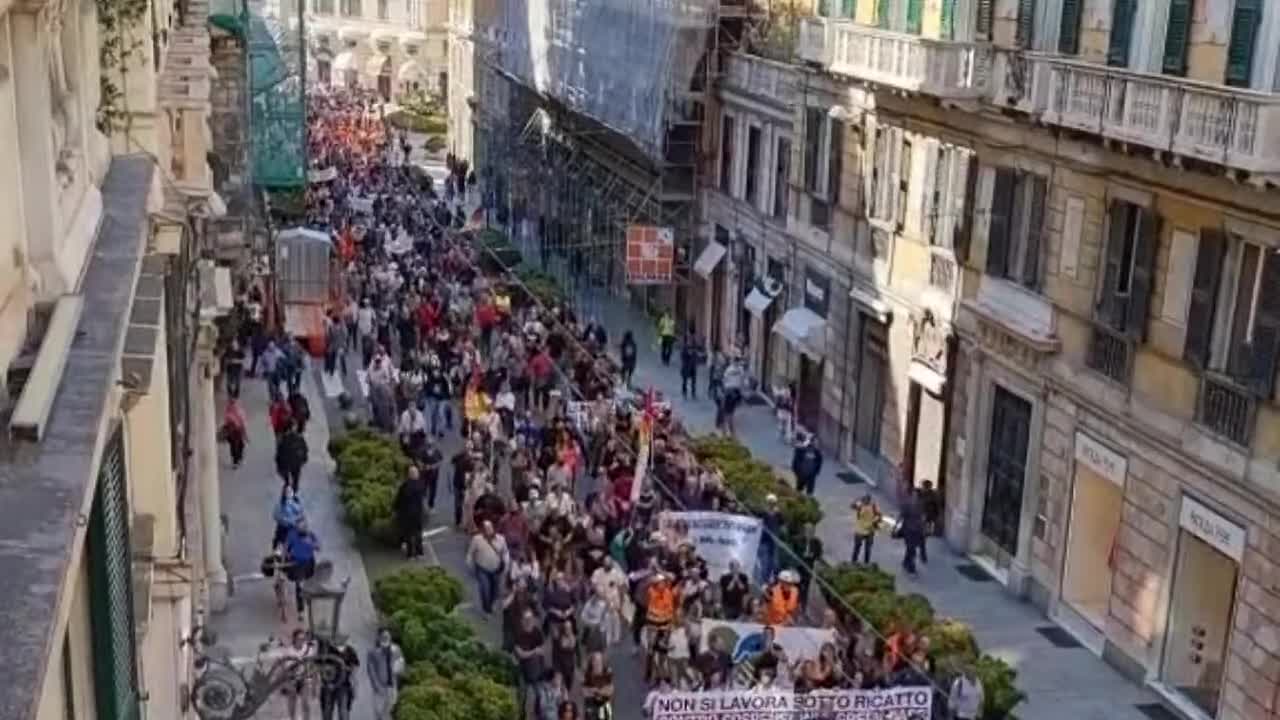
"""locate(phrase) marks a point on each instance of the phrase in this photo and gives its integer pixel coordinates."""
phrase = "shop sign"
(1209, 526)
(817, 291)
(1101, 459)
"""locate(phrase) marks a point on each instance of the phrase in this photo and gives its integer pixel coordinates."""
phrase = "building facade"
(1075, 201)
(395, 47)
(104, 184)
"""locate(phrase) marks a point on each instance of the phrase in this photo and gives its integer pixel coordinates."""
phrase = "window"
(413, 11)
(1122, 17)
(1016, 226)
(813, 123)
(727, 130)
(782, 178)
(351, 8)
(752, 185)
(1241, 279)
(1130, 262)
(384, 10)
(324, 7)
(983, 21)
(1245, 21)
(947, 195)
(885, 171)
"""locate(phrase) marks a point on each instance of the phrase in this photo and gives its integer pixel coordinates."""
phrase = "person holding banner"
(782, 599)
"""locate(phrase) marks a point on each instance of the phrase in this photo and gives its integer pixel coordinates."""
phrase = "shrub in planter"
(951, 644)
(435, 697)
(417, 586)
(848, 579)
(999, 686)
(369, 469)
(751, 481)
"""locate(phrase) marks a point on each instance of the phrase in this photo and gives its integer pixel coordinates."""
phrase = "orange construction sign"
(651, 253)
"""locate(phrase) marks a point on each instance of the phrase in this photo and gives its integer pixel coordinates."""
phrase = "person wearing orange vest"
(782, 599)
(661, 600)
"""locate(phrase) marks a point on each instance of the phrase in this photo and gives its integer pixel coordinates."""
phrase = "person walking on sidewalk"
(291, 455)
(335, 344)
(806, 463)
(235, 430)
(911, 530)
(233, 368)
(488, 557)
(385, 665)
(715, 378)
(966, 695)
(691, 356)
(666, 336)
(627, 351)
(337, 688)
(866, 521)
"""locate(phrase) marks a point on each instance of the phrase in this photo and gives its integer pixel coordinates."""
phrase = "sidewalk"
(248, 495)
(1060, 683)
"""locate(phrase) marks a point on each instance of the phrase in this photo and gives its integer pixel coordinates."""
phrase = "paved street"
(248, 495)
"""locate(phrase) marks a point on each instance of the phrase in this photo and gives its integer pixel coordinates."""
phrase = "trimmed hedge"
(751, 481)
(370, 468)
(544, 288)
(451, 674)
(871, 593)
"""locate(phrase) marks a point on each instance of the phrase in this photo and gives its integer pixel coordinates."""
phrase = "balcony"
(1226, 409)
(1110, 353)
(1233, 127)
(762, 78)
(940, 68)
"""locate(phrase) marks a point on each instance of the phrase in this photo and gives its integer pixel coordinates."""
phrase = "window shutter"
(882, 13)
(1176, 37)
(894, 155)
(1037, 192)
(1121, 33)
(1144, 263)
(982, 23)
(964, 230)
(1111, 305)
(1266, 329)
(1245, 22)
(812, 138)
(915, 11)
(836, 162)
(933, 166)
(1026, 23)
(1204, 296)
(850, 9)
(948, 20)
(1069, 32)
(1001, 215)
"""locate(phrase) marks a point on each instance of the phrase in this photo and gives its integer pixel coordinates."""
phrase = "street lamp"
(229, 691)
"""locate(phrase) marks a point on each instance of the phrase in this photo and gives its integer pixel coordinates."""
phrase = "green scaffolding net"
(276, 63)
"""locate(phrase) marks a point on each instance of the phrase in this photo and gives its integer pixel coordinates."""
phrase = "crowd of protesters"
(567, 555)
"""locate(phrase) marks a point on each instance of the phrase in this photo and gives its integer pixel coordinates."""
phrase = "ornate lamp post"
(226, 692)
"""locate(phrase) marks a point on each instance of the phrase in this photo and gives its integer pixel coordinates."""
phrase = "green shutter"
(1069, 32)
(948, 20)
(1025, 31)
(1121, 32)
(1176, 37)
(1244, 35)
(850, 9)
(882, 13)
(1204, 296)
(111, 589)
(915, 14)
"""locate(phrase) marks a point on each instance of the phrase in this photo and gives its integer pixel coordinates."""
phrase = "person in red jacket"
(281, 415)
(542, 371)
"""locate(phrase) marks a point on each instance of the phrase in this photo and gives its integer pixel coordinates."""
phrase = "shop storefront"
(1097, 501)
(1202, 600)
(710, 268)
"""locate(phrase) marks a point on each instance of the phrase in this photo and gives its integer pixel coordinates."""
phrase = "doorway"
(717, 307)
(1006, 476)
(384, 81)
(872, 372)
(1096, 505)
(809, 394)
(1200, 611)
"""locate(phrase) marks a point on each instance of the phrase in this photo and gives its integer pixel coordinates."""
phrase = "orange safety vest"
(782, 603)
(661, 603)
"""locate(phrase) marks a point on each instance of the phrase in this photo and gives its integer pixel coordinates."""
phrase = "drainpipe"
(844, 381)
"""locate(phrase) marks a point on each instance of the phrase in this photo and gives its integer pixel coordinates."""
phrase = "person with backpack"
(291, 455)
(628, 351)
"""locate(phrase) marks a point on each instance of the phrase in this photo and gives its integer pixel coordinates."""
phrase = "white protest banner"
(904, 703)
(717, 538)
(744, 641)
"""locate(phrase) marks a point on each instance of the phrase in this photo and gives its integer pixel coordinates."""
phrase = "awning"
(709, 258)
(757, 302)
(804, 329)
(410, 71)
(344, 62)
(376, 65)
(926, 377)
